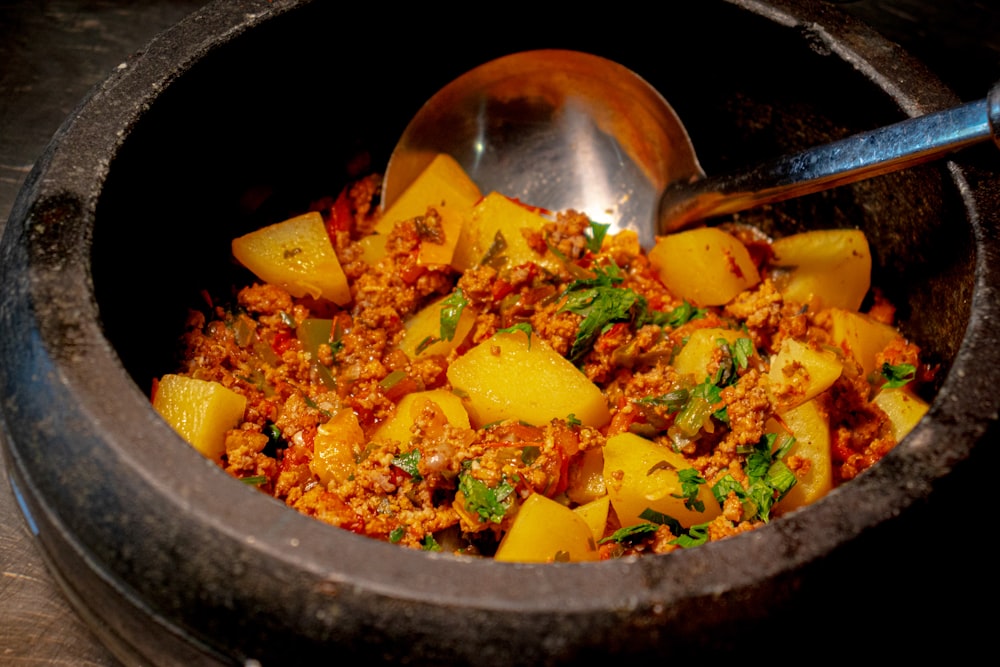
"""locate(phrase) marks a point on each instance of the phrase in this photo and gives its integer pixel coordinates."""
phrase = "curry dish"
(465, 373)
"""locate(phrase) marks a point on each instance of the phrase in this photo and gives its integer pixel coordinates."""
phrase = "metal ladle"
(564, 129)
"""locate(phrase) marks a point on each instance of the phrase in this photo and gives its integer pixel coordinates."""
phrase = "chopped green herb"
(690, 483)
(392, 379)
(674, 400)
(408, 463)
(631, 534)
(520, 326)
(429, 543)
(768, 479)
(898, 375)
(596, 237)
(491, 504)
(694, 537)
(601, 303)
(255, 480)
(451, 311)
(572, 421)
(683, 314)
(397, 534)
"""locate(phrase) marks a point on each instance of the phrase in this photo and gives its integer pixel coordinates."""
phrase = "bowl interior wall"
(269, 121)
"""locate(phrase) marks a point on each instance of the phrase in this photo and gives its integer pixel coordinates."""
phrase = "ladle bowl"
(562, 129)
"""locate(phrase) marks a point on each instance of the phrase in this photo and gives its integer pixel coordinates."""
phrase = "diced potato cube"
(545, 531)
(641, 474)
(496, 215)
(827, 268)
(800, 372)
(595, 513)
(398, 426)
(511, 376)
(860, 336)
(297, 255)
(442, 185)
(705, 266)
(697, 354)
(425, 326)
(809, 425)
(903, 407)
(586, 477)
(336, 447)
(201, 411)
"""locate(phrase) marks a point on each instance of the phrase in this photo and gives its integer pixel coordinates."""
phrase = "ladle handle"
(904, 144)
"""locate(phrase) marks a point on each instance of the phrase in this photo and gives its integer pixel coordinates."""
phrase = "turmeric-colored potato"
(425, 326)
(860, 336)
(595, 513)
(397, 427)
(705, 266)
(496, 215)
(511, 376)
(800, 372)
(830, 267)
(201, 411)
(545, 531)
(696, 356)
(297, 255)
(336, 447)
(903, 407)
(444, 186)
(809, 425)
(642, 474)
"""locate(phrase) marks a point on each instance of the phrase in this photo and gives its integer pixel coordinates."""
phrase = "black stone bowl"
(245, 111)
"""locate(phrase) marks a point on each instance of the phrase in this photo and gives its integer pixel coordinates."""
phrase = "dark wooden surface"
(52, 52)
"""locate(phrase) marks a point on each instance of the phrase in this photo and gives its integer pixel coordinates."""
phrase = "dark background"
(52, 52)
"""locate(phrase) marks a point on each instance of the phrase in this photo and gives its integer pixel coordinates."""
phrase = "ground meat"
(441, 481)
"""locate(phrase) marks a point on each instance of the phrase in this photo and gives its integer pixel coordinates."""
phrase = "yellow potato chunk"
(826, 268)
(444, 186)
(698, 352)
(545, 531)
(595, 513)
(641, 474)
(860, 336)
(497, 229)
(799, 372)
(511, 376)
(423, 331)
(200, 411)
(903, 407)
(398, 426)
(297, 255)
(336, 447)
(705, 266)
(809, 425)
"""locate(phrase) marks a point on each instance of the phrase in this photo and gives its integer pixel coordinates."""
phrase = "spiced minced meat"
(250, 343)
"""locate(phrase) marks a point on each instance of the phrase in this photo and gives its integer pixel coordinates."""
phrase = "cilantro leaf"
(520, 326)
(491, 504)
(695, 536)
(768, 479)
(631, 534)
(451, 311)
(898, 375)
(690, 483)
(601, 303)
(597, 233)
(408, 463)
